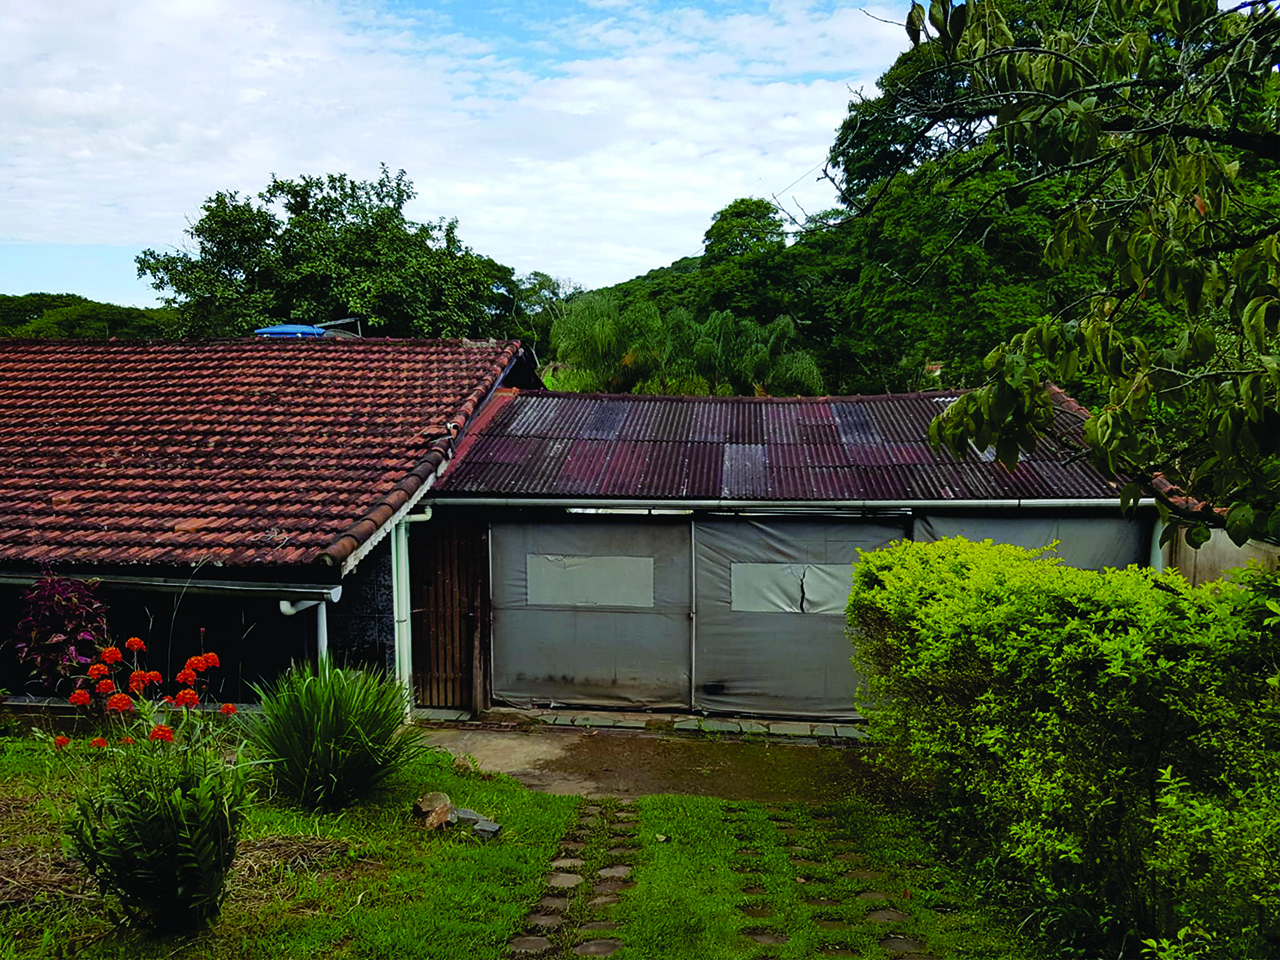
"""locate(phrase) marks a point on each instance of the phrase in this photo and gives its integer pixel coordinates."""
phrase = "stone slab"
(786, 728)
(597, 948)
(687, 725)
(752, 726)
(851, 733)
(530, 945)
(720, 726)
(823, 730)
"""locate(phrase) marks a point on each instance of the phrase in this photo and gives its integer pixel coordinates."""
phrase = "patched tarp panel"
(1090, 543)
(557, 580)
(770, 626)
(592, 613)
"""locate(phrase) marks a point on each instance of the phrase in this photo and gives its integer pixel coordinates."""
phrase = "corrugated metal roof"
(749, 448)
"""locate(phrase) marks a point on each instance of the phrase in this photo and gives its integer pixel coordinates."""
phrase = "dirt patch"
(26, 874)
(607, 763)
(271, 855)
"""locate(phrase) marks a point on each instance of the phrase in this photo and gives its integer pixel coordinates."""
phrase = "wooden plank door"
(448, 567)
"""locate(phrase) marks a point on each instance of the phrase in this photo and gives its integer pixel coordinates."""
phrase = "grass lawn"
(692, 877)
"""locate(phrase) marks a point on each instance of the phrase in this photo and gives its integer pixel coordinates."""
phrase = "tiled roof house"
(215, 473)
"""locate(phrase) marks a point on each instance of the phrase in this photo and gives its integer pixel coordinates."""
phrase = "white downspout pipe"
(322, 630)
(403, 656)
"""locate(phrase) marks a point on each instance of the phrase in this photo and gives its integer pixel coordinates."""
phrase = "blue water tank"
(291, 331)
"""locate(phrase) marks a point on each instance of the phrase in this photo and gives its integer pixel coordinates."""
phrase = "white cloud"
(595, 144)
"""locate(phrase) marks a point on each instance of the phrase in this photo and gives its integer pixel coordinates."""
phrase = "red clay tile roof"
(277, 452)
(873, 449)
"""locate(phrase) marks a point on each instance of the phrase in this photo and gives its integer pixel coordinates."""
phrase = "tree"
(1163, 115)
(325, 248)
(745, 226)
(642, 350)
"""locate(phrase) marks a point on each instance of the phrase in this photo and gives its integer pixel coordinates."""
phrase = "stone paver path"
(591, 871)
(842, 900)
(840, 905)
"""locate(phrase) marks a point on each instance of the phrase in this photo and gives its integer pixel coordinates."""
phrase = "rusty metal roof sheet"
(788, 450)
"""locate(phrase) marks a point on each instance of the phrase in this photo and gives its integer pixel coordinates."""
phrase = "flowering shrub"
(157, 826)
(62, 628)
(108, 675)
(158, 829)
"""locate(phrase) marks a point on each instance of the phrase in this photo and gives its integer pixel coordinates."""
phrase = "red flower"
(136, 645)
(167, 699)
(228, 708)
(120, 702)
(79, 698)
(105, 686)
(138, 681)
(211, 660)
(161, 732)
(186, 698)
(127, 741)
(187, 676)
(112, 655)
(60, 742)
(154, 676)
(98, 742)
(196, 663)
(98, 670)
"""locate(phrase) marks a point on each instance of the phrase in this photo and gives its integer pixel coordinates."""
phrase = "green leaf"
(1254, 321)
(1240, 523)
(1129, 497)
(1197, 536)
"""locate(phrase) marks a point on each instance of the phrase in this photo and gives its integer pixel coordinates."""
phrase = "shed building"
(694, 553)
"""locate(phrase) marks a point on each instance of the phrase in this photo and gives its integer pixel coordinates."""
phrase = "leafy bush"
(331, 734)
(62, 628)
(1087, 736)
(158, 829)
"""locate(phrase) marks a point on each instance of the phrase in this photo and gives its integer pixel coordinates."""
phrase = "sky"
(589, 139)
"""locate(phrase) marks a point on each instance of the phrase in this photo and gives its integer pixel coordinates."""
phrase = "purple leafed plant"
(63, 628)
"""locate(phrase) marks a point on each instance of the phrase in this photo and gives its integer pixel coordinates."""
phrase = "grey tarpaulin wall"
(1090, 543)
(734, 614)
(593, 613)
(771, 597)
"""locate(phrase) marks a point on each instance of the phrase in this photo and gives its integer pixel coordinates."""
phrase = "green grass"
(367, 882)
(380, 887)
(720, 859)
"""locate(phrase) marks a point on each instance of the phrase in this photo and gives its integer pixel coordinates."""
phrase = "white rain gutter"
(269, 590)
(775, 506)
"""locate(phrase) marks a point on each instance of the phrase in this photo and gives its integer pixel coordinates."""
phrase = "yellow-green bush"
(1081, 734)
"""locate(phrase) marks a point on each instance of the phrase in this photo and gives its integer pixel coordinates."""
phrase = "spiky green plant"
(158, 829)
(331, 734)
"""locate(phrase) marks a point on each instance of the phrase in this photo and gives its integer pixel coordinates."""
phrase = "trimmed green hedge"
(1104, 745)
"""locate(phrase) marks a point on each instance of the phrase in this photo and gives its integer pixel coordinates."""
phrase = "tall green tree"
(1164, 115)
(640, 349)
(322, 248)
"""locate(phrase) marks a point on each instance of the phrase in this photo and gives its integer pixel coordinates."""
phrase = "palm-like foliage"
(331, 734)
